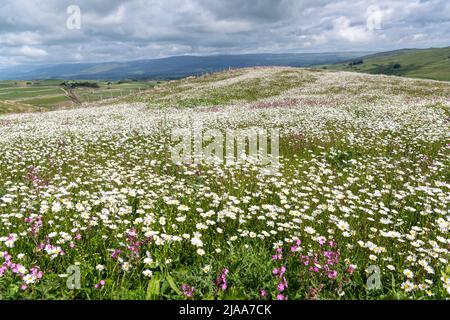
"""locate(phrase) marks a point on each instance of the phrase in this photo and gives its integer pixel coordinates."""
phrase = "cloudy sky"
(50, 31)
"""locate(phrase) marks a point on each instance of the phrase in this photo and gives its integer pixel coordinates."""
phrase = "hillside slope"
(288, 87)
(266, 86)
(416, 63)
(171, 67)
(357, 174)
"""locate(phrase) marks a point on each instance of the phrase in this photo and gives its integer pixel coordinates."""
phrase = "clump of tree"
(390, 69)
(69, 88)
(80, 84)
(356, 62)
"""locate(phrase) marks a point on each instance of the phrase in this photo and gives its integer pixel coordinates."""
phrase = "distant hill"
(171, 68)
(433, 63)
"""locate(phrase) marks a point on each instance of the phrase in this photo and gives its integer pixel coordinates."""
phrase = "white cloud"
(418, 36)
(20, 38)
(32, 52)
(113, 19)
(375, 17)
(114, 30)
(353, 33)
(319, 39)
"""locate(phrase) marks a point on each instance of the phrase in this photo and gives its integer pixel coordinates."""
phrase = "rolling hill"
(172, 67)
(433, 63)
(158, 184)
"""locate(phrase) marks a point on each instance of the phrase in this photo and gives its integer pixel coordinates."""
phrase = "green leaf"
(172, 284)
(153, 288)
(233, 294)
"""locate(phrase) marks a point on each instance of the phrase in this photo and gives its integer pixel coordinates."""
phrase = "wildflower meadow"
(93, 204)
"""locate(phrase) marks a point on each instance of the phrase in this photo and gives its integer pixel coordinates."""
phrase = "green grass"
(31, 96)
(369, 151)
(20, 94)
(223, 88)
(48, 102)
(415, 63)
(7, 106)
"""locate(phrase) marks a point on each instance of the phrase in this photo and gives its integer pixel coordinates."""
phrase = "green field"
(223, 88)
(415, 63)
(47, 95)
(355, 188)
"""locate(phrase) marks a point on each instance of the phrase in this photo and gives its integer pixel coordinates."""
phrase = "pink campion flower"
(331, 243)
(305, 260)
(351, 269)
(281, 280)
(23, 287)
(262, 293)
(116, 253)
(278, 254)
(321, 241)
(315, 261)
(72, 245)
(282, 270)
(332, 274)
(18, 269)
(36, 224)
(281, 297)
(188, 291)
(134, 247)
(332, 257)
(36, 272)
(295, 247)
(100, 284)
(78, 237)
(282, 284)
(221, 280)
(5, 255)
(313, 269)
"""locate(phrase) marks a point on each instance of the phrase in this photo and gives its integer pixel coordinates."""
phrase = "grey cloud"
(33, 31)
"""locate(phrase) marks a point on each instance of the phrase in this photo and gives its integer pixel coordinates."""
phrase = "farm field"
(432, 63)
(47, 95)
(357, 208)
